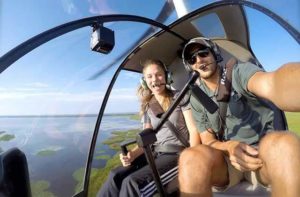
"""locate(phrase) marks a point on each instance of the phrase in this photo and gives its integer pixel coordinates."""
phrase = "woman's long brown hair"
(145, 95)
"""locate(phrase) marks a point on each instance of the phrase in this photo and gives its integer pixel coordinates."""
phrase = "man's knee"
(202, 165)
(195, 155)
(200, 157)
(280, 152)
(276, 147)
(279, 142)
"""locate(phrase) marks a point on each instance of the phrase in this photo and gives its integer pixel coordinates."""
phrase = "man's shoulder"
(242, 72)
(242, 66)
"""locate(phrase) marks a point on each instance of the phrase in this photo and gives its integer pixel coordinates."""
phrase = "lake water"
(67, 138)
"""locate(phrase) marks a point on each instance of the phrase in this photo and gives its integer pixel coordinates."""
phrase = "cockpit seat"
(244, 189)
(14, 177)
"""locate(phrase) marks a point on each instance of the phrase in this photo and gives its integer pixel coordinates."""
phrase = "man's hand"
(242, 156)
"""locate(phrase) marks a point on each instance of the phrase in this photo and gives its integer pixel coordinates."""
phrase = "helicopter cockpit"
(67, 106)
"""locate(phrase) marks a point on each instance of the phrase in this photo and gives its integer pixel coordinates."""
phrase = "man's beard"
(208, 73)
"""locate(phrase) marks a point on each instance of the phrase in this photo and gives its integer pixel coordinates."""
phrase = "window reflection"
(120, 122)
(204, 25)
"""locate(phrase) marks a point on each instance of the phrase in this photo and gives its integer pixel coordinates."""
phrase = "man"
(243, 145)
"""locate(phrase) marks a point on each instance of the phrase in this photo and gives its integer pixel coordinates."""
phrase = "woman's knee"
(129, 184)
(129, 179)
(116, 171)
(116, 176)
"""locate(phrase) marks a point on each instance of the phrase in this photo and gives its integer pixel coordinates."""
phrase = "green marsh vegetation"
(41, 188)
(5, 136)
(46, 152)
(293, 119)
(99, 176)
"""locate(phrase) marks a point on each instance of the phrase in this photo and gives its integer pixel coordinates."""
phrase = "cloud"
(100, 7)
(69, 7)
(45, 96)
(124, 93)
(35, 103)
(27, 88)
(56, 102)
(39, 90)
(132, 75)
(38, 85)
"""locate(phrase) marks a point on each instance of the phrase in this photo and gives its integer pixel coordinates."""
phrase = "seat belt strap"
(223, 96)
(168, 148)
(222, 112)
(178, 134)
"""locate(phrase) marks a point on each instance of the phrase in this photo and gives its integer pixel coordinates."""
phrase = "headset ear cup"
(187, 67)
(216, 51)
(143, 83)
(169, 79)
(219, 58)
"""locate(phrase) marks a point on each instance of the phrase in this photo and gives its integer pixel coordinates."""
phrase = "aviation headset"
(168, 76)
(214, 48)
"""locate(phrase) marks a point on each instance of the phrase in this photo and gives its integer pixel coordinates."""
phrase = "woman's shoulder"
(185, 100)
(175, 93)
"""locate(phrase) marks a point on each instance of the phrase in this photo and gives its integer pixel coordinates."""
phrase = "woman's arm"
(193, 131)
(137, 151)
(126, 160)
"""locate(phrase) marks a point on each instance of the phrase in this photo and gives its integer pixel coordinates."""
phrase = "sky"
(54, 78)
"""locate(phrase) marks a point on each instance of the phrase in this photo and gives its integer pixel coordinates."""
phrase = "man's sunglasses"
(201, 53)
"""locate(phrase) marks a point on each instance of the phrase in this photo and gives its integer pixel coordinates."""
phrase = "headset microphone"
(211, 63)
(203, 65)
(159, 84)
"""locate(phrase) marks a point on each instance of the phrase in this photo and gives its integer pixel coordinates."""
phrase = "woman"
(134, 178)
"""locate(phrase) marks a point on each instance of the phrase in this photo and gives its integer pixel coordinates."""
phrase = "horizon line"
(68, 115)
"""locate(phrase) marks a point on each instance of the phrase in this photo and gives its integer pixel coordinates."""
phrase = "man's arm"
(242, 156)
(193, 131)
(282, 86)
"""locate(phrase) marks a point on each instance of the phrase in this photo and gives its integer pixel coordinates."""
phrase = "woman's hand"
(242, 156)
(127, 159)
